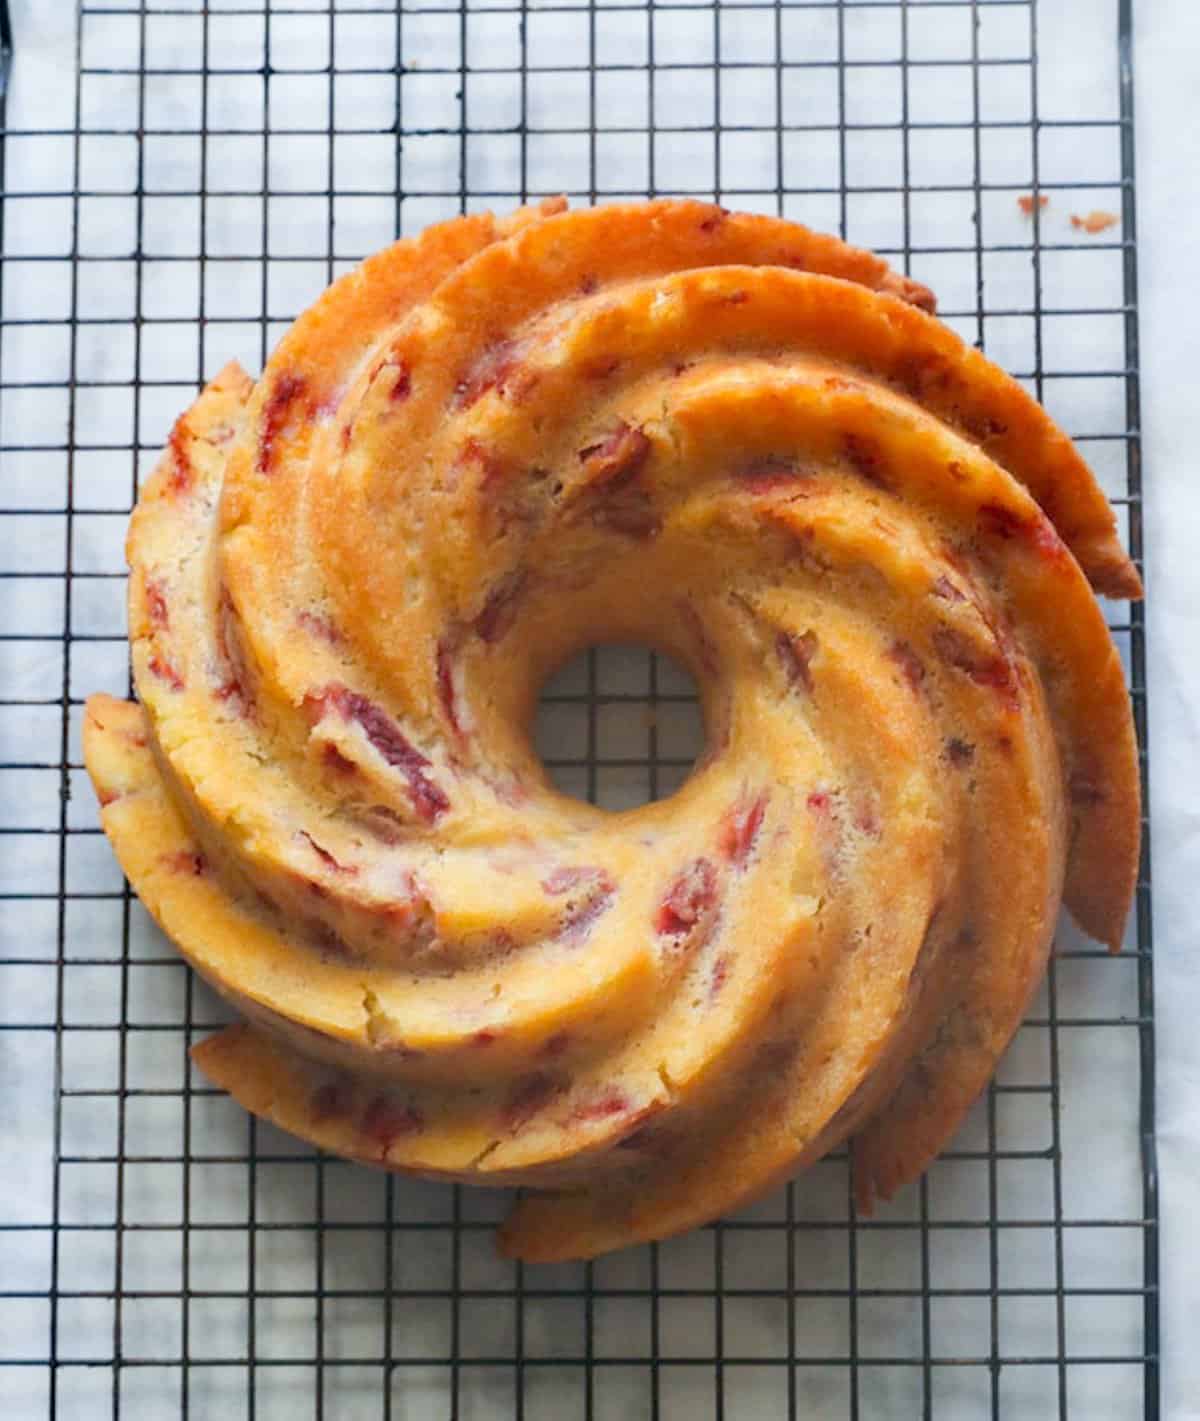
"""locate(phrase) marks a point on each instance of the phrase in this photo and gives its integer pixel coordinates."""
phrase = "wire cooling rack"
(180, 179)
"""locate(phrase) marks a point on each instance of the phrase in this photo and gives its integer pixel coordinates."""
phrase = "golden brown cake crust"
(738, 441)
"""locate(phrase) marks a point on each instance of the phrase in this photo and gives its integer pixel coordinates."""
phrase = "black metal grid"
(174, 1257)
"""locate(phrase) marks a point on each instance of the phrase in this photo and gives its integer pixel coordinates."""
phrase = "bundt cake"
(728, 438)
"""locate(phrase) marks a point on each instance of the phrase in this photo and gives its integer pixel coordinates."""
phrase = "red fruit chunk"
(326, 407)
(828, 830)
(185, 861)
(796, 654)
(326, 857)
(490, 369)
(508, 787)
(1043, 535)
(767, 474)
(492, 469)
(563, 880)
(596, 892)
(692, 894)
(384, 823)
(428, 798)
(1007, 524)
(162, 668)
(156, 603)
(704, 646)
(410, 909)
(402, 386)
(386, 1121)
(603, 1105)
(911, 666)
(319, 626)
(946, 590)
(740, 826)
(274, 417)
(581, 917)
(444, 673)
(866, 819)
(231, 691)
(718, 976)
(1085, 782)
(509, 497)
(237, 683)
(619, 456)
(982, 667)
(500, 610)
(182, 474)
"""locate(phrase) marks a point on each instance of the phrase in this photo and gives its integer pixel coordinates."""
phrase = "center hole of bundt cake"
(619, 726)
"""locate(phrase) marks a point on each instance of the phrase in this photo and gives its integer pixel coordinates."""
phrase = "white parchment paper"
(1169, 242)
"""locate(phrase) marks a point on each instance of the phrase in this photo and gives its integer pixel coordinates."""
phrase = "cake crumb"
(1094, 221)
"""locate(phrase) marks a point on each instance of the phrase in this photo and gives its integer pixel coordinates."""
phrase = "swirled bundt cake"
(721, 435)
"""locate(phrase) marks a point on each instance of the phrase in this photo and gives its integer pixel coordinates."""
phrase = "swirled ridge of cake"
(726, 437)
